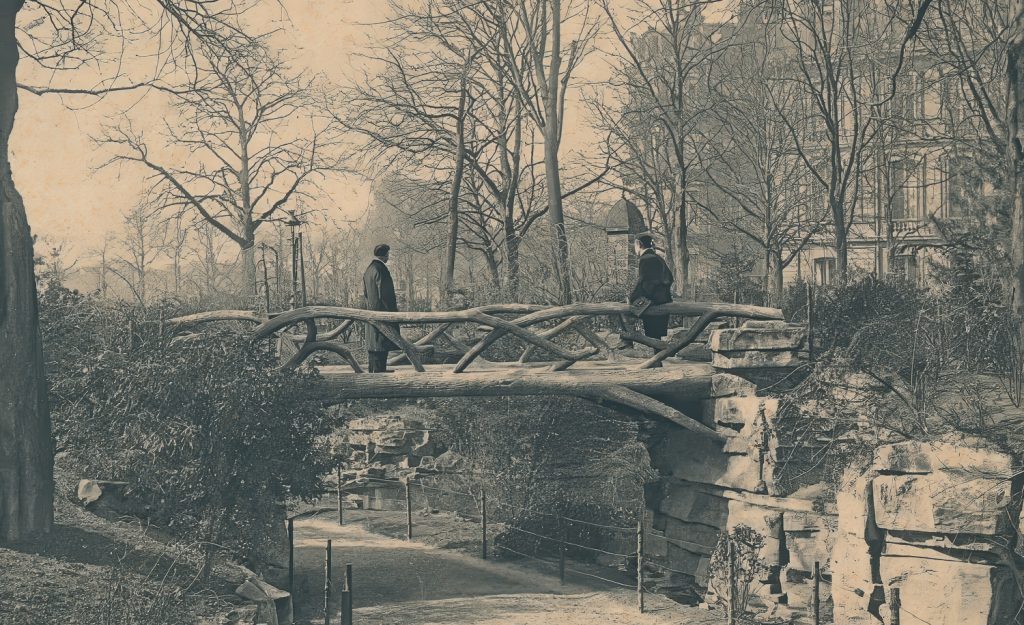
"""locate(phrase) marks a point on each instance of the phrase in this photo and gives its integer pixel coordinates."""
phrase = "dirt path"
(401, 583)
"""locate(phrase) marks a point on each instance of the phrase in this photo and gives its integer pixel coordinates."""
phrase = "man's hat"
(381, 249)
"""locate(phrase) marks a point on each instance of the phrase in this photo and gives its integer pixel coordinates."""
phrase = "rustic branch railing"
(500, 320)
(631, 384)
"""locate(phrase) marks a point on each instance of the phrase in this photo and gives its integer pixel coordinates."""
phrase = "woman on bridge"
(654, 283)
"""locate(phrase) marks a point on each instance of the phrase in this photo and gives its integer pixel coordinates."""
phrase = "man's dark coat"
(655, 283)
(379, 291)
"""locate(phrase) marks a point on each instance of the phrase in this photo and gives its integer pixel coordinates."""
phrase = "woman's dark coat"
(379, 291)
(655, 283)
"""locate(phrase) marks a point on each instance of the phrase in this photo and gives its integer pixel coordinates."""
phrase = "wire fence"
(611, 554)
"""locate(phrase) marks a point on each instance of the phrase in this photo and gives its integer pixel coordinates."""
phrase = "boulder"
(423, 445)
(856, 543)
(928, 457)
(393, 441)
(728, 385)
(852, 581)
(808, 540)
(948, 591)
(941, 503)
(91, 491)
(741, 411)
(274, 605)
(687, 503)
(759, 339)
(700, 460)
(757, 359)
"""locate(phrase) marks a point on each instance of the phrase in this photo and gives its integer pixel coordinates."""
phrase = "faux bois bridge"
(562, 352)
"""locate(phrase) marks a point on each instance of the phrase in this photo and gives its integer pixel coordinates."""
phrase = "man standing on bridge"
(654, 284)
(379, 291)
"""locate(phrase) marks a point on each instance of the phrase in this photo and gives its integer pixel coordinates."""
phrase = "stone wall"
(707, 488)
(936, 521)
(940, 522)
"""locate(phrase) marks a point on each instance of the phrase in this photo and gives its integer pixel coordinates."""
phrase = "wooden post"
(327, 584)
(408, 510)
(346, 597)
(341, 501)
(561, 554)
(483, 524)
(731, 607)
(894, 606)
(640, 561)
(291, 557)
(817, 595)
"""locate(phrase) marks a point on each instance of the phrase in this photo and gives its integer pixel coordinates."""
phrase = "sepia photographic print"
(511, 312)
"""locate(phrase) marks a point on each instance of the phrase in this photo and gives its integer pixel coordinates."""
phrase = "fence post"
(894, 606)
(561, 553)
(327, 584)
(291, 557)
(346, 597)
(640, 561)
(731, 607)
(817, 595)
(408, 510)
(341, 502)
(483, 524)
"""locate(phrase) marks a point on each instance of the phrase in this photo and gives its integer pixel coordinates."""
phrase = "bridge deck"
(620, 382)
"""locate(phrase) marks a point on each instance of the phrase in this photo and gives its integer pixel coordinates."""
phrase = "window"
(896, 190)
(908, 268)
(824, 269)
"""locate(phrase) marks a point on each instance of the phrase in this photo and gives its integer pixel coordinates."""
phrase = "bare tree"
(663, 75)
(257, 141)
(1015, 123)
(63, 36)
(532, 30)
(847, 57)
(144, 240)
(749, 158)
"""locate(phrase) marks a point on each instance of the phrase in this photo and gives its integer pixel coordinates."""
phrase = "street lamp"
(298, 259)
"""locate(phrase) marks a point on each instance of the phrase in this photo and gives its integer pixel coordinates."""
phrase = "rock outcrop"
(935, 522)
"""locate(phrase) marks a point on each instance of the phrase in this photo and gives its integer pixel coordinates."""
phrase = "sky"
(70, 197)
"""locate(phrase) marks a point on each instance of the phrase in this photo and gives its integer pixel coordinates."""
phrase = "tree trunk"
(248, 271)
(1015, 123)
(492, 268)
(842, 242)
(774, 271)
(26, 444)
(512, 259)
(554, 188)
(448, 279)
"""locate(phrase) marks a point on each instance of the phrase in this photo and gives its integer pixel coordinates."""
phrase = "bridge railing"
(498, 320)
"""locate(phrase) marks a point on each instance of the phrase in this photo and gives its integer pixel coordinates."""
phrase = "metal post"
(561, 554)
(894, 606)
(408, 511)
(640, 561)
(302, 267)
(266, 280)
(291, 557)
(817, 594)
(483, 524)
(731, 607)
(295, 266)
(341, 501)
(346, 597)
(327, 584)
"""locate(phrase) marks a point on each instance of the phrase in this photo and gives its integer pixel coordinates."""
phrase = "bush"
(209, 433)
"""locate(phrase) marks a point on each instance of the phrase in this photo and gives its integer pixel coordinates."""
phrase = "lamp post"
(293, 224)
